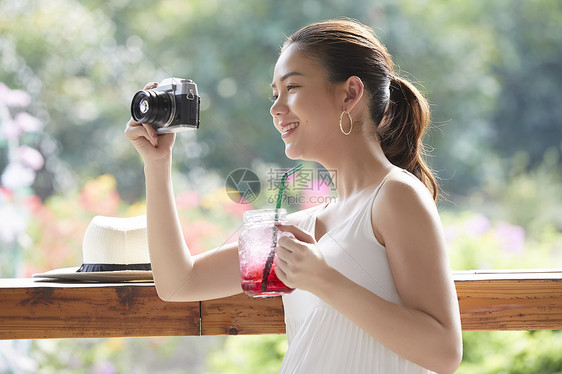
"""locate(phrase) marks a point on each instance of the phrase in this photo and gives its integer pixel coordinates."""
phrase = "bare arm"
(426, 328)
(408, 224)
(178, 276)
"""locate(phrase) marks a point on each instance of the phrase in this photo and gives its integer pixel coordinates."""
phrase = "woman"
(373, 287)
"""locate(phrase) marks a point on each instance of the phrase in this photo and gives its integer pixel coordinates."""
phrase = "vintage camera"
(173, 106)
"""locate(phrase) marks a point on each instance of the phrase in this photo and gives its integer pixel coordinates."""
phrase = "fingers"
(293, 239)
(293, 262)
(300, 264)
(283, 251)
(290, 243)
(283, 277)
(291, 250)
(283, 259)
(135, 131)
(151, 131)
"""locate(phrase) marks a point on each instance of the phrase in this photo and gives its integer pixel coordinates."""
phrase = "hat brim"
(101, 276)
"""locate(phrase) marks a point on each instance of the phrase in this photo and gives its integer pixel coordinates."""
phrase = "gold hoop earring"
(350, 123)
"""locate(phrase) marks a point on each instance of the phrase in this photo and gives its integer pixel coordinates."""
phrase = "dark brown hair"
(348, 48)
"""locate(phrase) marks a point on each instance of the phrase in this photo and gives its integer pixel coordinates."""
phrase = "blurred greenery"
(491, 70)
(249, 354)
(68, 69)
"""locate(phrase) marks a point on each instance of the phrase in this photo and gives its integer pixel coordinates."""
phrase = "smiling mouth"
(289, 127)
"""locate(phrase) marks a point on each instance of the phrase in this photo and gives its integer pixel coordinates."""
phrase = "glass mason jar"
(256, 251)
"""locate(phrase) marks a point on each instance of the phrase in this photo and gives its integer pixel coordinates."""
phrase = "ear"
(354, 90)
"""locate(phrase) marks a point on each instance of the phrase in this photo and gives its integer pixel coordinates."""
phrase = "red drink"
(252, 283)
(256, 250)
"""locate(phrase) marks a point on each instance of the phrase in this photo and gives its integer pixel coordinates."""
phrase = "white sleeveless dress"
(322, 340)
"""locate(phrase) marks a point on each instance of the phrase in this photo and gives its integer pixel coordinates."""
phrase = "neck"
(357, 164)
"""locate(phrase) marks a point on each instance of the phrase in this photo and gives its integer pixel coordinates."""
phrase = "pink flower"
(100, 196)
(17, 175)
(512, 238)
(451, 232)
(33, 203)
(187, 200)
(14, 98)
(23, 122)
(478, 225)
(27, 123)
(197, 232)
(19, 99)
(10, 130)
(236, 210)
(30, 157)
(6, 195)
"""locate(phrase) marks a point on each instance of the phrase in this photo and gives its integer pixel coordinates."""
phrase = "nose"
(278, 108)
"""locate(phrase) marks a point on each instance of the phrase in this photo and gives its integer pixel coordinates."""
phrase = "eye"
(289, 88)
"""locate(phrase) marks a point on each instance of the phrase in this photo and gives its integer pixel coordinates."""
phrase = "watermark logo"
(243, 186)
(306, 188)
(306, 179)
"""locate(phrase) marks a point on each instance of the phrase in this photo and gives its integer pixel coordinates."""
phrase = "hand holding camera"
(170, 107)
(166, 108)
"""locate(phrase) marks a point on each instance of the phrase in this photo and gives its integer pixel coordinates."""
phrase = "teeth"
(289, 127)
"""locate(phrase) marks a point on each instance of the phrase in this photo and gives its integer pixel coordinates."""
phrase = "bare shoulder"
(403, 201)
(403, 188)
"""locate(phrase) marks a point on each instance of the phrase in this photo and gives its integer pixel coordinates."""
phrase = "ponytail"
(401, 130)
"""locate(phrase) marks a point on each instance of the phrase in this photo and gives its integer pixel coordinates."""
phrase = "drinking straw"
(270, 257)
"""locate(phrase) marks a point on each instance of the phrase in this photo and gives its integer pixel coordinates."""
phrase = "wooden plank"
(35, 310)
(510, 304)
(241, 314)
(31, 309)
(504, 300)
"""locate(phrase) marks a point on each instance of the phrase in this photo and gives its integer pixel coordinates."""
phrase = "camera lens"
(144, 106)
(155, 108)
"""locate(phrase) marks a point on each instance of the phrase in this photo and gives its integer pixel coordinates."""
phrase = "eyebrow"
(284, 77)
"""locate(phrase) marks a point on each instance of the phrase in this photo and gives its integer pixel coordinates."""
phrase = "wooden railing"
(32, 309)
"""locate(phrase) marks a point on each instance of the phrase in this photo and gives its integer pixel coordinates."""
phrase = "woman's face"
(305, 106)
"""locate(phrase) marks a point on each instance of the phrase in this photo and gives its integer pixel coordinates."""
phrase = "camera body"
(172, 106)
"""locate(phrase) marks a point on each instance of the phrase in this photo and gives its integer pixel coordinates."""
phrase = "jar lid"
(262, 216)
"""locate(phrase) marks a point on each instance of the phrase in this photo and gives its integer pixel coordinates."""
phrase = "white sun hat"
(114, 250)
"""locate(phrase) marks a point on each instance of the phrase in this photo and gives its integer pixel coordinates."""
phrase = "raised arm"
(178, 275)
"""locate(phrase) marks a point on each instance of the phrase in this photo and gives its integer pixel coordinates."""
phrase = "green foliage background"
(492, 71)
